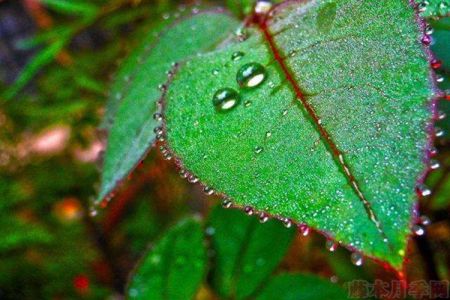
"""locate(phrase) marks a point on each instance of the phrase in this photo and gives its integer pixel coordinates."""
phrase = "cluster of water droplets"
(250, 75)
(435, 9)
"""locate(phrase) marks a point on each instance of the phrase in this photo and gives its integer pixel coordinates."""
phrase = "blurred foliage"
(51, 247)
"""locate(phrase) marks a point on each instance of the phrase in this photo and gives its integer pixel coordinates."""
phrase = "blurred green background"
(57, 58)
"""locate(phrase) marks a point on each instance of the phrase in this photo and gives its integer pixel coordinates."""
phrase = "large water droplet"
(357, 259)
(423, 190)
(251, 75)
(225, 99)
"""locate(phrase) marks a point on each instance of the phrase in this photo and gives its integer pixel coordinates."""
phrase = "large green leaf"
(304, 287)
(333, 137)
(246, 252)
(132, 132)
(174, 268)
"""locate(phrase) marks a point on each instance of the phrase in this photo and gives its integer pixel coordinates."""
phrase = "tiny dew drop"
(192, 179)
(250, 75)
(247, 103)
(215, 72)
(434, 164)
(157, 116)
(425, 220)
(249, 210)
(225, 99)
(226, 203)
(268, 134)
(423, 190)
(287, 223)
(331, 245)
(258, 149)
(418, 230)
(304, 229)
(357, 259)
(263, 218)
(237, 55)
(208, 191)
(262, 7)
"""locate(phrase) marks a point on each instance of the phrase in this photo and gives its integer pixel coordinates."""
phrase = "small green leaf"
(72, 7)
(332, 134)
(136, 89)
(246, 252)
(174, 268)
(300, 286)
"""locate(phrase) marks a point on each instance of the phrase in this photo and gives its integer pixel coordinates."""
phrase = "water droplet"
(167, 156)
(210, 230)
(247, 103)
(215, 71)
(439, 78)
(284, 112)
(250, 75)
(334, 279)
(258, 149)
(425, 220)
(237, 55)
(241, 34)
(208, 191)
(423, 190)
(166, 16)
(226, 203)
(263, 217)
(441, 115)
(434, 164)
(262, 7)
(268, 134)
(225, 99)
(249, 210)
(418, 230)
(158, 130)
(183, 173)
(157, 116)
(192, 179)
(331, 245)
(423, 6)
(426, 40)
(93, 212)
(438, 132)
(357, 259)
(287, 223)
(429, 30)
(436, 63)
(433, 151)
(304, 229)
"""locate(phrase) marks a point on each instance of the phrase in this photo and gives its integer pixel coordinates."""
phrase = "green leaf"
(300, 286)
(41, 59)
(333, 137)
(72, 7)
(246, 252)
(174, 268)
(132, 134)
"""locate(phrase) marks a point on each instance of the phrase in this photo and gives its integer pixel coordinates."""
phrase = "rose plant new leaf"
(320, 114)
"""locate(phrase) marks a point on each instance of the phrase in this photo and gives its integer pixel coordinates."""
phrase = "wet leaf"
(333, 134)
(246, 252)
(174, 268)
(300, 286)
(136, 89)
